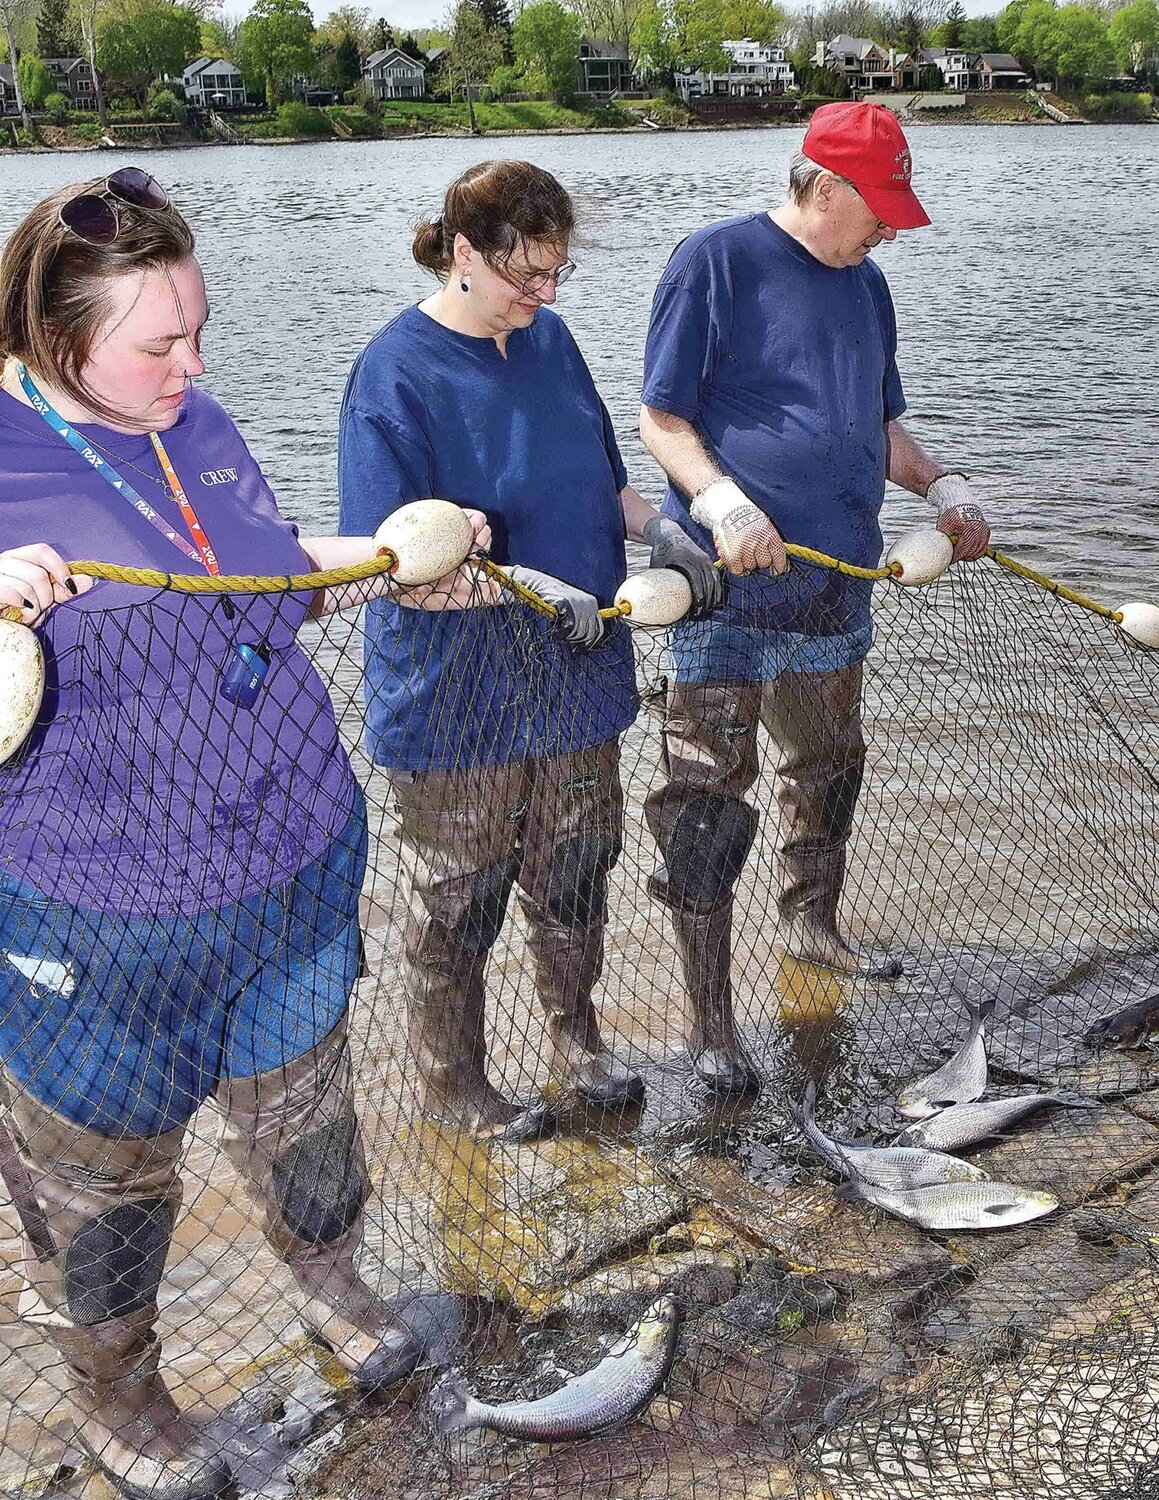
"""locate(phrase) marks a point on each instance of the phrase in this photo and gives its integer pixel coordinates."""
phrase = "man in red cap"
(772, 400)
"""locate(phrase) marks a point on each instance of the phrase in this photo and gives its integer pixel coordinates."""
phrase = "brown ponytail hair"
(54, 285)
(497, 206)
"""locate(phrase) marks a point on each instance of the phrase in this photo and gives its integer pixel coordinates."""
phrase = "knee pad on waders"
(319, 1184)
(113, 1264)
(577, 878)
(705, 852)
(476, 931)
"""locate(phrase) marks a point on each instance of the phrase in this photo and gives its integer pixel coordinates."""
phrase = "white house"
(393, 75)
(213, 83)
(757, 70)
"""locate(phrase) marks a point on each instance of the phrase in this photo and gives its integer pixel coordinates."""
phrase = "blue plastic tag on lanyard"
(245, 674)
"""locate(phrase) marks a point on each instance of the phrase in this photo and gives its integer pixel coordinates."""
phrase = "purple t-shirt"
(142, 789)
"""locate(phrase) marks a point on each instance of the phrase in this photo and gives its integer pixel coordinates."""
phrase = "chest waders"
(98, 1214)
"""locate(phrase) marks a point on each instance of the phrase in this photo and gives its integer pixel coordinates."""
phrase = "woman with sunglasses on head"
(502, 747)
(182, 841)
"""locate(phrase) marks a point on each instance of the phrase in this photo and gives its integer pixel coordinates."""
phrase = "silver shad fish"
(892, 1167)
(959, 1081)
(622, 1384)
(960, 1205)
(967, 1124)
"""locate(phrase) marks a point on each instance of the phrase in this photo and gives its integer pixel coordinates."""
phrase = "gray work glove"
(577, 621)
(674, 548)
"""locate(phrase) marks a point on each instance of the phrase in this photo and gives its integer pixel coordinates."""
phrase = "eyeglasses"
(92, 217)
(535, 281)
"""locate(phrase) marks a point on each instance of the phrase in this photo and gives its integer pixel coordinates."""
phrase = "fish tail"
(450, 1402)
(981, 1010)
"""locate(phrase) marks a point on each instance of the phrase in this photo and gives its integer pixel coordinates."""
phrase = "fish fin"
(998, 1210)
(449, 1400)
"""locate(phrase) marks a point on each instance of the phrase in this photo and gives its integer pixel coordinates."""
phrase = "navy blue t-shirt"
(787, 369)
(429, 412)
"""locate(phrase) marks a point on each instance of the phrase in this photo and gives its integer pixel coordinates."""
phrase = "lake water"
(1028, 317)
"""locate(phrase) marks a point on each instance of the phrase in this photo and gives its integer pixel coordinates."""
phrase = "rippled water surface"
(1029, 315)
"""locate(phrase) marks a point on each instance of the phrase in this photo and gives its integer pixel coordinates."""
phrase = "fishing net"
(1002, 844)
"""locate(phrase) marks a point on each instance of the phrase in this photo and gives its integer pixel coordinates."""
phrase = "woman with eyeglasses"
(501, 733)
(182, 840)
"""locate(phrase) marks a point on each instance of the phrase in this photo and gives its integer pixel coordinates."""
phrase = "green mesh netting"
(1003, 844)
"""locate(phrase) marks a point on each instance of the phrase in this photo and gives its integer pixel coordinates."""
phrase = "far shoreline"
(936, 120)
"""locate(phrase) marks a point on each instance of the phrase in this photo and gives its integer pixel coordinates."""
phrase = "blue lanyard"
(105, 470)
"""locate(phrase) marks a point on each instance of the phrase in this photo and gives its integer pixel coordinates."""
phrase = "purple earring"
(464, 285)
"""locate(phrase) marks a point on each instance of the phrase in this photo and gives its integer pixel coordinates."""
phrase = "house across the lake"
(756, 71)
(391, 74)
(73, 77)
(213, 83)
(604, 68)
(8, 104)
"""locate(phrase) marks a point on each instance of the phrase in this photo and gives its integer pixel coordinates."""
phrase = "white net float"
(657, 596)
(1139, 622)
(921, 556)
(21, 684)
(430, 538)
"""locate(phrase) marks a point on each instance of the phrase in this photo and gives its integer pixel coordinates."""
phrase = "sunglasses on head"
(92, 217)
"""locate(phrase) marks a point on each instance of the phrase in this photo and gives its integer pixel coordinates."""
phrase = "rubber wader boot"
(292, 1135)
(568, 961)
(704, 943)
(808, 910)
(447, 1029)
(97, 1214)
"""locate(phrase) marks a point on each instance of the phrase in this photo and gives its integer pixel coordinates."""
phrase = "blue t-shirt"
(527, 440)
(787, 369)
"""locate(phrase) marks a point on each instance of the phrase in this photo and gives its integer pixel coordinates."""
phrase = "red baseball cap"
(864, 143)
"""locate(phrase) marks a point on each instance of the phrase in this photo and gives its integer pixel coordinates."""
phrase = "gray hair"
(803, 173)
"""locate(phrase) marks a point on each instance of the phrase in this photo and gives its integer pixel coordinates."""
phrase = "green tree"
(475, 53)
(347, 64)
(56, 31)
(345, 21)
(953, 25)
(654, 43)
(1008, 25)
(980, 34)
(141, 48)
(761, 20)
(1079, 49)
(277, 42)
(13, 15)
(219, 38)
(1134, 33)
(1032, 40)
(381, 36)
(497, 18)
(699, 31)
(35, 80)
(410, 45)
(546, 40)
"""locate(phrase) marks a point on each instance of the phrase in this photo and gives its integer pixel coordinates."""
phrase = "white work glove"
(745, 537)
(960, 515)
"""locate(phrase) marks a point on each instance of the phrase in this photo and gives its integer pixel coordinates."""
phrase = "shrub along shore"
(293, 122)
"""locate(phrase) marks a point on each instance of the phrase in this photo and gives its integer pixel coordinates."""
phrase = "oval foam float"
(430, 538)
(921, 555)
(21, 685)
(657, 596)
(1140, 624)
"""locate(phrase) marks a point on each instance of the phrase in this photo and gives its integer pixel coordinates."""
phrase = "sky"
(405, 15)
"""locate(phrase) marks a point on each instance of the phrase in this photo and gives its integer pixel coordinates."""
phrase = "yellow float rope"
(374, 567)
